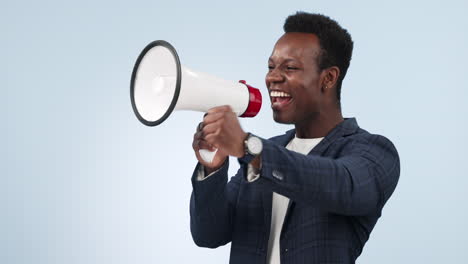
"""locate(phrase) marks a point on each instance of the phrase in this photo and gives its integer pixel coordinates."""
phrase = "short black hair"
(335, 41)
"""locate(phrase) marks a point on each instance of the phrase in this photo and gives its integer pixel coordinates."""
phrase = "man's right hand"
(200, 143)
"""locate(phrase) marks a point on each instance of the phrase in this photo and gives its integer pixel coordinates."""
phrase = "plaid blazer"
(336, 194)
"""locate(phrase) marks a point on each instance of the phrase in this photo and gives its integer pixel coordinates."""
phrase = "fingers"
(199, 141)
(207, 131)
(211, 128)
(213, 117)
(216, 113)
(198, 144)
(223, 108)
(210, 122)
(199, 127)
(202, 144)
(212, 139)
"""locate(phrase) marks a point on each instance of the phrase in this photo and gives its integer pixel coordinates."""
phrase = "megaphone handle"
(207, 155)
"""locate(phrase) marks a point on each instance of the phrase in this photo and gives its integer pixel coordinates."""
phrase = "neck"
(319, 125)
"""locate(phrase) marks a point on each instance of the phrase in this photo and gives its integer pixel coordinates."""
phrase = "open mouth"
(279, 99)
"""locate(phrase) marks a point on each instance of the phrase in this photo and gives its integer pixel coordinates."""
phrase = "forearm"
(211, 209)
(356, 183)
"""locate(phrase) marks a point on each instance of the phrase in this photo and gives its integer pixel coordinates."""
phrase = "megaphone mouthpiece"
(255, 101)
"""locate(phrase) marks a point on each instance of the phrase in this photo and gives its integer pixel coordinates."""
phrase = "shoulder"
(364, 137)
(374, 148)
(364, 143)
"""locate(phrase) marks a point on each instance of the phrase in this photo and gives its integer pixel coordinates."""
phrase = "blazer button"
(278, 175)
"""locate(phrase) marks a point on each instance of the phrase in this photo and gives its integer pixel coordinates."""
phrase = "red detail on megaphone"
(255, 101)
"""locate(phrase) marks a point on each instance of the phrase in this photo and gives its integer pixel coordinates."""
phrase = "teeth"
(279, 94)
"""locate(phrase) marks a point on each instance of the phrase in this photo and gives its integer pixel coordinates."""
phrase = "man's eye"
(270, 67)
(291, 68)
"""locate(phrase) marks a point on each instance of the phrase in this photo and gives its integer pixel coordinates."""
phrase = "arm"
(358, 182)
(212, 206)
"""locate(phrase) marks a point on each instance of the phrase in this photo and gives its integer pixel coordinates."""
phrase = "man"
(312, 195)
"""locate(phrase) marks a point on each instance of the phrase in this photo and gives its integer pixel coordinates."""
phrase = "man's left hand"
(221, 128)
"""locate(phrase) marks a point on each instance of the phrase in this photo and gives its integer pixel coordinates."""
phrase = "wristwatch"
(253, 146)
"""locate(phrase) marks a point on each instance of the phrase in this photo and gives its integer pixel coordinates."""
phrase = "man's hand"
(222, 130)
(200, 143)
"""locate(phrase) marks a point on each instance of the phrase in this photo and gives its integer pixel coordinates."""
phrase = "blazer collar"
(347, 127)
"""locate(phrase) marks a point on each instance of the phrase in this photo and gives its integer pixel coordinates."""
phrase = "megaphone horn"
(160, 85)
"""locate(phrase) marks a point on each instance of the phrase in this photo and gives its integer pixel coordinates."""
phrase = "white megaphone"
(160, 85)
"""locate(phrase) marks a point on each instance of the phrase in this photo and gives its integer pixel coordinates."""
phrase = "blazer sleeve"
(212, 207)
(357, 182)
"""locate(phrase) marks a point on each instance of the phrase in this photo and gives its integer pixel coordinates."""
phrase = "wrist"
(240, 152)
(253, 147)
(256, 163)
(209, 169)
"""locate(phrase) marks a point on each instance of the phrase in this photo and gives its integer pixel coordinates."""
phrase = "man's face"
(293, 79)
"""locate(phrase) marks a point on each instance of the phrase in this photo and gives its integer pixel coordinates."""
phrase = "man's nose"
(274, 75)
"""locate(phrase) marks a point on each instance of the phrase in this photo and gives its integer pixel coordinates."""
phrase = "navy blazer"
(336, 194)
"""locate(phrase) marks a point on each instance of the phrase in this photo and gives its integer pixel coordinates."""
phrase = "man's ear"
(330, 78)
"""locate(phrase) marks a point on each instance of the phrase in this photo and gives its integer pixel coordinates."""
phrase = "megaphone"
(161, 85)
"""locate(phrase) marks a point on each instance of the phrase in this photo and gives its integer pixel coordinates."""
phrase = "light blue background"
(82, 181)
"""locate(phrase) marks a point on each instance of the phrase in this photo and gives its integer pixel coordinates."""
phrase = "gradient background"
(82, 181)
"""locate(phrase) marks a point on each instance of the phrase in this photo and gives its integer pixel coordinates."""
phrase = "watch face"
(254, 145)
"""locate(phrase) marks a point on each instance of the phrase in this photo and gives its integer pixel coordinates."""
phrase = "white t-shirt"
(280, 203)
